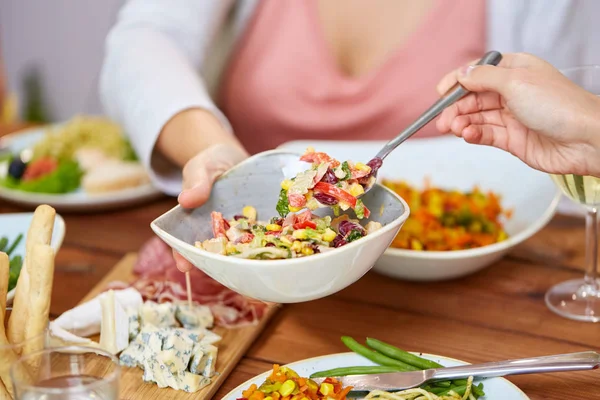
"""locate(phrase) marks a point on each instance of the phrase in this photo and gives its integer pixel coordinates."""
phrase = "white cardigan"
(163, 57)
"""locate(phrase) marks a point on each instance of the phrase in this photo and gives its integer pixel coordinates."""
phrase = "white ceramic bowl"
(280, 281)
(449, 162)
(11, 225)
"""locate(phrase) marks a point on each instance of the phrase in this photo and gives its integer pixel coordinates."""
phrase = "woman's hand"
(196, 140)
(527, 107)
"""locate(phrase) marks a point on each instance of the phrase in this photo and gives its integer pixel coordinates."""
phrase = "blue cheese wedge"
(160, 315)
(133, 355)
(114, 329)
(204, 359)
(194, 317)
(191, 383)
(210, 337)
(134, 322)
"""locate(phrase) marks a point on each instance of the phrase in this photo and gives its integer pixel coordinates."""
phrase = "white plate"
(77, 201)
(450, 162)
(495, 389)
(13, 224)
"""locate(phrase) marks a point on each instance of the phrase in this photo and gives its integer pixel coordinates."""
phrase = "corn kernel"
(296, 246)
(230, 248)
(273, 227)
(268, 398)
(361, 166)
(329, 235)
(286, 184)
(326, 388)
(300, 234)
(295, 209)
(288, 387)
(307, 251)
(310, 149)
(356, 189)
(249, 212)
(416, 245)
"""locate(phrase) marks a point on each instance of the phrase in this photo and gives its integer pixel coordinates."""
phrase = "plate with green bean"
(13, 233)
(377, 357)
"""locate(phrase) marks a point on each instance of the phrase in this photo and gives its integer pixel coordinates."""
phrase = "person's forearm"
(190, 132)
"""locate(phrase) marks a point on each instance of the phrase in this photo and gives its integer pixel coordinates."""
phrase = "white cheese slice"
(114, 333)
(160, 315)
(86, 318)
(194, 317)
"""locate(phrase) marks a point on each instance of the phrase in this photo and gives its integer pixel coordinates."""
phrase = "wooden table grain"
(498, 313)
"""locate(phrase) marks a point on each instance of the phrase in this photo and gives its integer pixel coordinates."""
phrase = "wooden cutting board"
(232, 348)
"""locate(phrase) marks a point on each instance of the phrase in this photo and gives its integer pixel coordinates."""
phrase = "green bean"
(3, 243)
(460, 382)
(478, 390)
(14, 245)
(374, 356)
(458, 389)
(345, 371)
(445, 384)
(401, 355)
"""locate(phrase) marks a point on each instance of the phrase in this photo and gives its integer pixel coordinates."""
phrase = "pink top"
(283, 83)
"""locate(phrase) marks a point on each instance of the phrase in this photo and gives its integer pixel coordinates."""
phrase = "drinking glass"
(579, 299)
(10, 353)
(70, 373)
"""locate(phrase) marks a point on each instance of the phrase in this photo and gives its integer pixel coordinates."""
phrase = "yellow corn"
(288, 387)
(307, 251)
(326, 388)
(329, 235)
(295, 209)
(356, 189)
(300, 234)
(416, 245)
(502, 236)
(273, 227)
(230, 248)
(286, 184)
(310, 149)
(249, 212)
(268, 398)
(361, 167)
(296, 246)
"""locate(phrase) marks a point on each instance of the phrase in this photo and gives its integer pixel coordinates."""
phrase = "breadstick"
(4, 273)
(4, 395)
(40, 232)
(7, 355)
(41, 270)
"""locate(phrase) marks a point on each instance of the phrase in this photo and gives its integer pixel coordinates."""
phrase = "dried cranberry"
(227, 226)
(238, 217)
(330, 177)
(269, 245)
(346, 226)
(325, 199)
(338, 241)
(315, 248)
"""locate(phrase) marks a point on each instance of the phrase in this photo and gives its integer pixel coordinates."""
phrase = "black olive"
(16, 169)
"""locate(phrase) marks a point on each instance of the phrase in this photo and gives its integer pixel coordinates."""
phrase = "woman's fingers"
(486, 135)
(491, 117)
(472, 103)
(182, 264)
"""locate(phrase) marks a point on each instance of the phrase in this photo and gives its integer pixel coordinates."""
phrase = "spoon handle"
(454, 94)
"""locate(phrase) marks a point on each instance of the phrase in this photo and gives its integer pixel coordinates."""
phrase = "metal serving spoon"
(454, 94)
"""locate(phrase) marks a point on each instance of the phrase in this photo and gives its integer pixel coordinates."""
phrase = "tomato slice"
(305, 224)
(336, 192)
(39, 168)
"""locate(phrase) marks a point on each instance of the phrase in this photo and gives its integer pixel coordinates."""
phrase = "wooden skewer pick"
(188, 285)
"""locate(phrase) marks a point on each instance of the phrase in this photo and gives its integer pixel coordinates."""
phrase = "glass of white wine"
(66, 373)
(579, 299)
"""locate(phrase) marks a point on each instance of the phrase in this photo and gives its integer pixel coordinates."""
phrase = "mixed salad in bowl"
(297, 235)
(297, 232)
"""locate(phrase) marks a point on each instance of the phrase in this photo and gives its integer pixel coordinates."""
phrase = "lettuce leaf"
(66, 178)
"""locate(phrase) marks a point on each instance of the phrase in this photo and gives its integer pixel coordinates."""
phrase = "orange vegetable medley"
(286, 384)
(443, 220)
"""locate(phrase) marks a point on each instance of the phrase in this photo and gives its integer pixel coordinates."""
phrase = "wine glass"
(579, 299)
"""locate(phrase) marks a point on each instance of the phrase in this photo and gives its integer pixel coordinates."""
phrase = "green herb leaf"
(283, 205)
(353, 235)
(346, 169)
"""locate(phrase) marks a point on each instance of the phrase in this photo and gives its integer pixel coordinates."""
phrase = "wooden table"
(496, 314)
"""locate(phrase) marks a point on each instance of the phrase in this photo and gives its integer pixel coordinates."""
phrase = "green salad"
(16, 261)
